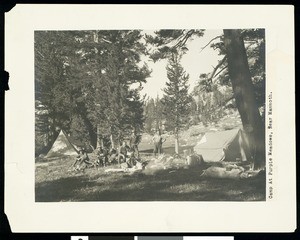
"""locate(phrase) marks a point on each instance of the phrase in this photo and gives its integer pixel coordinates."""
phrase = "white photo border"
(276, 214)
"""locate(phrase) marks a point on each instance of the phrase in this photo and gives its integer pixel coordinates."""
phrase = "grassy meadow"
(56, 181)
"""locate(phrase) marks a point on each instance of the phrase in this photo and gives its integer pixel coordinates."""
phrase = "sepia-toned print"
(150, 115)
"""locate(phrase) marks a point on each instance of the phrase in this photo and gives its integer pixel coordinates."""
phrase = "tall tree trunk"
(176, 141)
(244, 94)
(99, 137)
(176, 145)
(112, 141)
(81, 110)
(89, 126)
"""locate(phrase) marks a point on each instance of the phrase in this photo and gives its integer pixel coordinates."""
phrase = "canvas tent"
(62, 147)
(222, 145)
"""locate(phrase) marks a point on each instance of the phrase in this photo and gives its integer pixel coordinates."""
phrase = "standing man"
(158, 141)
(134, 142)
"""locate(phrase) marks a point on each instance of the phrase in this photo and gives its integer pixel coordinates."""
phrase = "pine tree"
(243, 66)
(86, 76)
(176, 99)
(51, 85)
(149, 111)
(158, 114)
(121, 105)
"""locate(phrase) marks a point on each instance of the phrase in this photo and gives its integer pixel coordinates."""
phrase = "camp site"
(128, 115)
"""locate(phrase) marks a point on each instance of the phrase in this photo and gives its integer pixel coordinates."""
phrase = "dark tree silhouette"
(244, 95)
(176, 100)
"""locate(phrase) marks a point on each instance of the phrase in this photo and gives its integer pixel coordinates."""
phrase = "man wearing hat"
(81, 158)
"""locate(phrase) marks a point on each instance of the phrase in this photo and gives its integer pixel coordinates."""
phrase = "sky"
(194, 63)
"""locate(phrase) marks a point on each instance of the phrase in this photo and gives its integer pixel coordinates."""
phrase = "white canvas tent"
(62, 147)
(222, 145)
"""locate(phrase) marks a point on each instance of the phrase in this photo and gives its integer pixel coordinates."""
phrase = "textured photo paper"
(98, 133)
(82, 88)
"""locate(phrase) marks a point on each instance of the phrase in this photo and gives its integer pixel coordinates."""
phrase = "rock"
(194, 160)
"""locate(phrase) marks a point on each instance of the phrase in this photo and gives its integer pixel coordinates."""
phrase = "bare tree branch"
(105, 40)
(250, 41)
(183, 41)
(221, 70)
(210, 42)
(217, 67)
(228, 100)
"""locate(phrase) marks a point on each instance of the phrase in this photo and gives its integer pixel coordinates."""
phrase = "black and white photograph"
(163, 118)
(140, 115)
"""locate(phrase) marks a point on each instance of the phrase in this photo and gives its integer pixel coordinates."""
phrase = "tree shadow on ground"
(186, 188)
(63, 189)
(163, 185)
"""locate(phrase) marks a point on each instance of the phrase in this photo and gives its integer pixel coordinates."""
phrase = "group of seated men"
(124, 154)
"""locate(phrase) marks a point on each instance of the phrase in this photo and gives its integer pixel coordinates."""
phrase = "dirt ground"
(56, 181)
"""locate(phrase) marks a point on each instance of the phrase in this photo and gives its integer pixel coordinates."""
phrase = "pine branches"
(176, 100)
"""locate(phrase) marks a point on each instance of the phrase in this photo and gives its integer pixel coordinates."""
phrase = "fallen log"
(219, 172)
